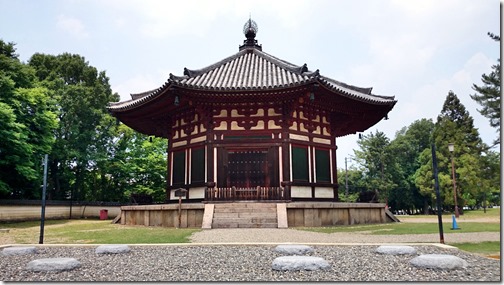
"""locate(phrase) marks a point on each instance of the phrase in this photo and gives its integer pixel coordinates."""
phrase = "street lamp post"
(451, 148)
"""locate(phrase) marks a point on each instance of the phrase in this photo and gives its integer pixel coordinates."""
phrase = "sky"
(415, 50)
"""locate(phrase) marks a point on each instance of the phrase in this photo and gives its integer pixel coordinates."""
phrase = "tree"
(81, 95)
(355, 183)
(410, 142)
(488, 95)
(27, 122)
(134, 164)
(378, 163)
(454, 125)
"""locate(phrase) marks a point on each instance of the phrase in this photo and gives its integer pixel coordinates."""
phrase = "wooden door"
(247, 168)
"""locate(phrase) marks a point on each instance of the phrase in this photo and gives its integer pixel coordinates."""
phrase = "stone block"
(439, 261)
(19, 250)
(113, 248)
(53, 264)
(396, 249)
(298, 263)
(294, 249)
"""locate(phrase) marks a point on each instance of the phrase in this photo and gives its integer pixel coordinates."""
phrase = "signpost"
(181, 192)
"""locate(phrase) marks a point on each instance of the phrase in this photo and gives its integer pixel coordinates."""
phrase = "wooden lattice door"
(247, 168)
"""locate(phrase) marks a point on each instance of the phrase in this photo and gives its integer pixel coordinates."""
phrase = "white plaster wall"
(324, 192)
(300, 192)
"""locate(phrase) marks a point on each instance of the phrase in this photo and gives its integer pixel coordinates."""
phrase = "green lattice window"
(299, 163)
(322, 165)
(179, 167)
(198, 165)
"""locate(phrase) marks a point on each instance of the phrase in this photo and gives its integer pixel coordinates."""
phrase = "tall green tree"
(378, 164)
(454, 125)
(81, 95)
(489, 94)
(408, 144)
(27, 121)
(134, 164)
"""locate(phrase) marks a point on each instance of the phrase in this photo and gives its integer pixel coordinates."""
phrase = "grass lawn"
(468, 214)
(486, 247)
(94, 231)
(409, 228)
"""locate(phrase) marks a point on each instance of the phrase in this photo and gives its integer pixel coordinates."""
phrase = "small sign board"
(181, 192)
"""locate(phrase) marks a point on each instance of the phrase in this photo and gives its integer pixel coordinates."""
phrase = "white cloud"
(73, 26)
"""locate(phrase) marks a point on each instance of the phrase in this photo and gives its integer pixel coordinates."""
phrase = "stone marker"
(113, 248)
(396, 249)
(294, 249)
(53, 264)
(438, 261)
(297, 263)
(19, 250)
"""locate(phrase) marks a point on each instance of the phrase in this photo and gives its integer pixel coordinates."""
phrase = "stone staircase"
(245, 215)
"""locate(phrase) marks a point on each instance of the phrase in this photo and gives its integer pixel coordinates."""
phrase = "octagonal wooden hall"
(252, 127)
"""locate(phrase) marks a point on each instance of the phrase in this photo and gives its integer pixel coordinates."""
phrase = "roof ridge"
(195, 72)
(300, 70)
(283, 63)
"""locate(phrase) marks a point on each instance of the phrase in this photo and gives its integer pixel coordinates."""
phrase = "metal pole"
(42, 215)
(346, 179)
(484, 202)
(438, 196)
(454, 188)
(179, 210)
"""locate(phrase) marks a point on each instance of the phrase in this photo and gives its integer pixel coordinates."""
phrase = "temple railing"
(247, 194)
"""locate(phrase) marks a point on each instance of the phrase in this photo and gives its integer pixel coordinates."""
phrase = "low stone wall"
(317, 214)
(11, 213)
(166, 215)
(299, 214)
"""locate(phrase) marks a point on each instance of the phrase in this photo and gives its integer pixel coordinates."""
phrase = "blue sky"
(415, 50)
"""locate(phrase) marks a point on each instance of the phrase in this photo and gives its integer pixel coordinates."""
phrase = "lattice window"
(322, 165)
(299, 163)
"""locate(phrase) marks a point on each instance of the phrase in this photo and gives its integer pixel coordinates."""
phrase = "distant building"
(253, 126)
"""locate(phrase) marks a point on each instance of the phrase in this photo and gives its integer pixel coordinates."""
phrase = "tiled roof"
(252, 69)
(249, 69)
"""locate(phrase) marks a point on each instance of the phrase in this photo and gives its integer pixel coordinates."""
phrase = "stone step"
(217, 225)
(245, 205)
(244, 210)
(239, 220)
(244, 215)
(261, 225)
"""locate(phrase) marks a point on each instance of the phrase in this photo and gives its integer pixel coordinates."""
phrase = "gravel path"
(242, 263)
(248, 256)
(300, 236)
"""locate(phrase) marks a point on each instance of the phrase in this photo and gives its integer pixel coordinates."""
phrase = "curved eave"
(134, 103)
(356, 95)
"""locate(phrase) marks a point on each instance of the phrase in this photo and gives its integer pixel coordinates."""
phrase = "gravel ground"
(243, 263)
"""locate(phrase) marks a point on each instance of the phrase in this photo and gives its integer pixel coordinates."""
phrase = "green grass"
(485, 248)
(491, 213)
(95, 231)
(409, 228)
